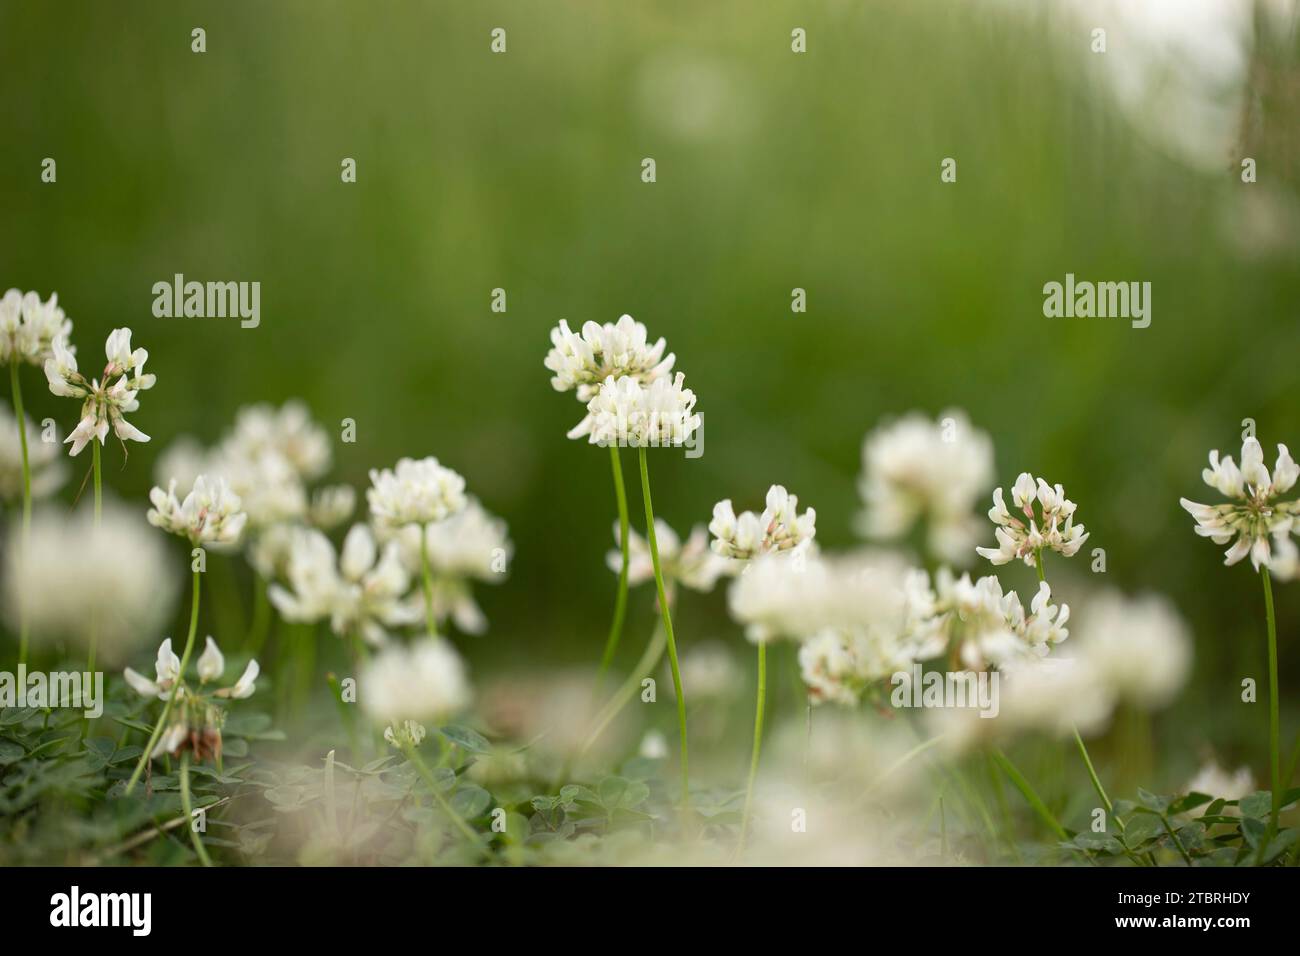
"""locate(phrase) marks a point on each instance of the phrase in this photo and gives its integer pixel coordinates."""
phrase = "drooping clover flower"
(983, 627)
(1256, 514)
(581, 362)
(415, 492)
(690, 563)
(1051, 527)
(29, 327)
(360, 591)
(195, 719)
(918, 470)
(47, 468)
(421, 681)
(472, 545)
(626, 413)
(105, 400)
(110, 582)
(209, 514)
(780, 528)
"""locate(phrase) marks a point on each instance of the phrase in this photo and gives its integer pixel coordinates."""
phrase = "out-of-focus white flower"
(654, 746)
(209, 514)
(332, 505)
(288, 432)
(46, 467)
(106, 400)
(627, 413)
(1256, 513)
(612, 350)
(779, 528)
(408, 734)
(1213, 781)
(75, 578)
(422, 681)
(361, 591)
(710, 671)
(915, 470)
(1054, 695)
(1052, 528)
(691, 563)
(1139, 646)
(29, 327)
(985, 627)
(415, 492)
(471, 545)
(270, 550)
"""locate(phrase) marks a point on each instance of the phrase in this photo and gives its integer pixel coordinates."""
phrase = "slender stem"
(27, 499)
(427, 578)
(758, 744)
(1031, 797)
(1274, 722)
(620, 602)
(1038, 563)
(1177, 842)
(171, 699)
(413, 755)
(667, 616)
(189, 813)
(1101, 792)
(649, 659)
(96, 458)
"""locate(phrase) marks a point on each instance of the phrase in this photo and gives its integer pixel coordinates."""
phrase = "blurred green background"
(775, 170)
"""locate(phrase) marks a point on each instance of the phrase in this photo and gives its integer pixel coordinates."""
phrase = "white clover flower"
(1213, 781)
(211, 662)
(167, 669)
(408, 734)
(209, 514)
(1053, 695)
(613, 350)
(626, 413)
(77, 580)
(471, 545)
(1139, 646)
(269, 488)
(422, 681)
(1052, 528)
(46, 466)
(710, 671)
(914, 470)
(654, 746)
(107, 400)
(169, 679)
(288, 432)
(29, 327)
(361, 591)
(692, 563)
(331, 506)
(415, 492)
(1256, 514)
(982, 626)
(779, 528)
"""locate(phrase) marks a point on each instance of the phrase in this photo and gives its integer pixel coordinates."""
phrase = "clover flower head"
(1049, 527)
(415, 492)
(1139, 646)
(209, 514)
(29, 327)
(982, 626)
(915, 469)
(288, 432)
(780, 527)
(421, 681)
(331, 506)
(1256, 513)
(690, 563)
(581, 362)
(46, 467)
(360, 591)
(408, 734)
(625, 412)
(105, 400)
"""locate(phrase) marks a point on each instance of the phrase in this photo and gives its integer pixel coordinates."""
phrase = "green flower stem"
(97, 459)
(622, 697)
(27, 499)
(427, 578)
(414, 756)
(758, 744)
(1101, 792)
(261, 621)
(189, 812)
(1274, 721)
(667, 616)
(171, 699)
(620, 602)
(1031, 797)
